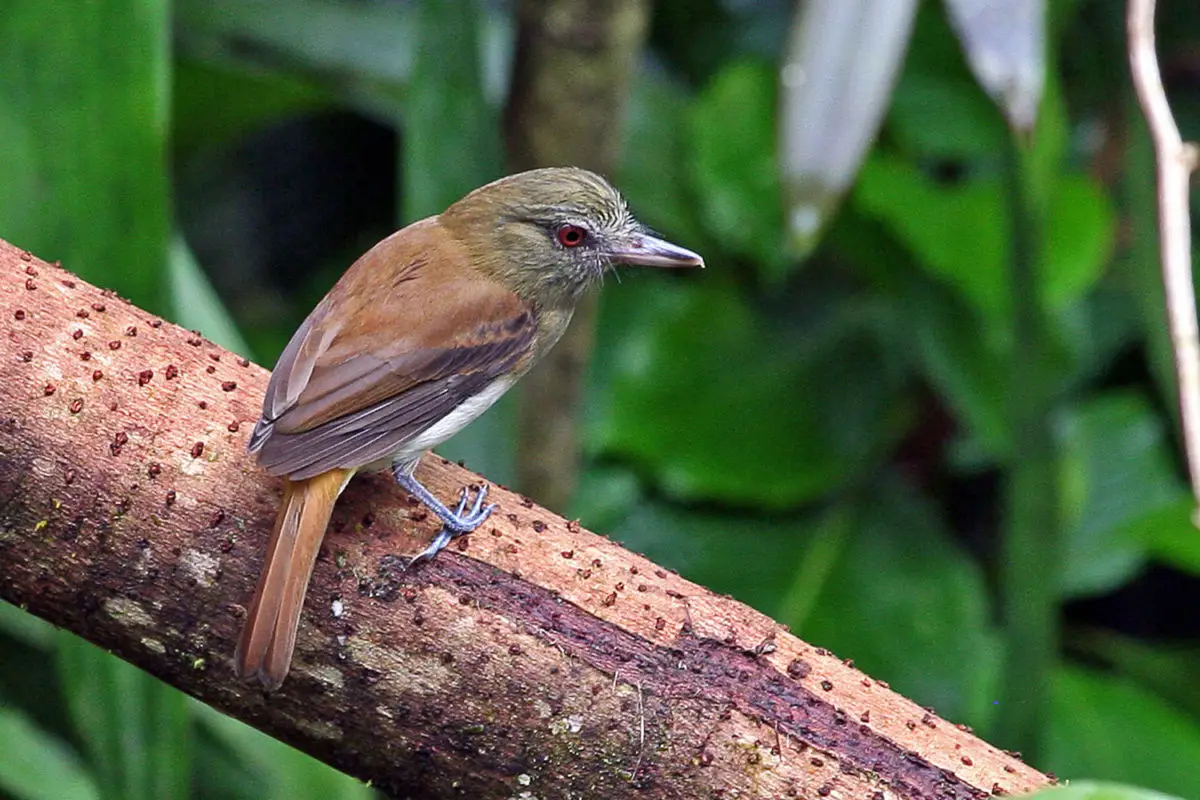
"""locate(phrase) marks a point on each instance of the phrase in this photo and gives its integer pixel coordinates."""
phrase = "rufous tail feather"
(264, 650)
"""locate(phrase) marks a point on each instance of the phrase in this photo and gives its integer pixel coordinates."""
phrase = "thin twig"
(1176, 160)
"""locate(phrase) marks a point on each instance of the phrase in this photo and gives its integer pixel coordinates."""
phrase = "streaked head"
(549, 233)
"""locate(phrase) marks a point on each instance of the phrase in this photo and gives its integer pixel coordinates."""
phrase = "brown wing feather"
(407, 334)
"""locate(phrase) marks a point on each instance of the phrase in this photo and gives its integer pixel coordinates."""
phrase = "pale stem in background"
(1175, 159)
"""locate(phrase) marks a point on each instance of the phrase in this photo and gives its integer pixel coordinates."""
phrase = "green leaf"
(938, 110)
(655, 159)
(605, 496)
(84, 128)
(734, 167)
(715, 401)
(1079, 236)
(88, 112)
(363, 51)
(19, 218)
(1047, 156)
(450, 142)
(965, 367)
(285, 773)
(1107, 727)
(966, 125)
(195, 304)
(1170, 534)
(822, 554)
(1167, 669)
(702, 546)
(135, 729)
(1116, 467)
(1093, 790)
(1094, 330)
(25, 627)
(213, 105)
(908, 606)
(957, 232)
(37, 765)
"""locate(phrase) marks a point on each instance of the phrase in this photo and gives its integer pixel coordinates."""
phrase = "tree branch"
(1176, 160)
(535, 656)
(566, 50)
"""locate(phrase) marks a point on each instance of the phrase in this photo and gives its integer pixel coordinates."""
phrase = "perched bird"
(417, 339)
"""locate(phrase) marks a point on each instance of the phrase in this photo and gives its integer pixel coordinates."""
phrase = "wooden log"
(532, 656)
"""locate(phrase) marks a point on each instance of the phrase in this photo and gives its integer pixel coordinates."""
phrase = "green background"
(858, 442)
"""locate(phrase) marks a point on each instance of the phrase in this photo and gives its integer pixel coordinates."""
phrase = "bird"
(419, 337)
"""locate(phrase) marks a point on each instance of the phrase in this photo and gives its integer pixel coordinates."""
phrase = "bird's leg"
(454, 523)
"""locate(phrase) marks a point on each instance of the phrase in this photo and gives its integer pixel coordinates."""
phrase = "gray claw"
(466, 520)
(439, 543)
(479, 498)
(462, 502)
(460, 521)
(485, 512)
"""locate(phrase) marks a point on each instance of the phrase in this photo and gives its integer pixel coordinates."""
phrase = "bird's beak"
(644, 250)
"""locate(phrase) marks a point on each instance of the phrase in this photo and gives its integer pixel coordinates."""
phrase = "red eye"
(571, 235)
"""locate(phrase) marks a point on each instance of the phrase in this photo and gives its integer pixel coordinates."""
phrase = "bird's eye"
(571, 235)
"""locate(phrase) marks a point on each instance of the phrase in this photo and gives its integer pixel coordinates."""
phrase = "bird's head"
(550, 233)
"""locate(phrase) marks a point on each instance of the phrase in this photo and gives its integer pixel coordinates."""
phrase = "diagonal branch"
(1176, 160)
(535, 654)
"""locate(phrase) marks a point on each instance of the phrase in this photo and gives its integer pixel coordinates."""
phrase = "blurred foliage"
(85, 132)
(1092, 790)
(827, 439)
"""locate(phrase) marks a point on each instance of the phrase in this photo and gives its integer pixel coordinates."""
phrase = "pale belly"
(462, 416)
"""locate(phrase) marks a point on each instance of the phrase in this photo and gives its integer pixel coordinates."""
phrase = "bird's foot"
(463, 520)
(466, 517)
(439, 543)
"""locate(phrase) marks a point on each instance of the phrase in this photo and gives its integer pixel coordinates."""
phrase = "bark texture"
(574, 63)
(533, 657)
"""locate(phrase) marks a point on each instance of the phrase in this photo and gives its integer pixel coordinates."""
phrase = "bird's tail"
(264, 650)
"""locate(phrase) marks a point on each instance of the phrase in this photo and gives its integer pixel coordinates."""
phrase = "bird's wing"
(407, 334)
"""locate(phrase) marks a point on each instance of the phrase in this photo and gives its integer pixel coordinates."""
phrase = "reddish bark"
(533, 656)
